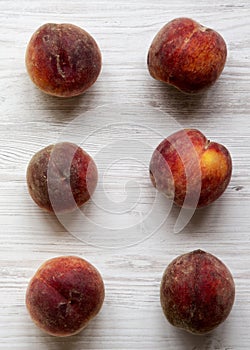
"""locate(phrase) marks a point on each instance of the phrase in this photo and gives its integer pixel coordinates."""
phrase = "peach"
(63, 59)
(187, 55)
(197, 292)
(190, 169)
(64, 295)
(61, 177)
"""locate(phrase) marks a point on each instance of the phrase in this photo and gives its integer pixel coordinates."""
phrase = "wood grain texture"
(121, 136)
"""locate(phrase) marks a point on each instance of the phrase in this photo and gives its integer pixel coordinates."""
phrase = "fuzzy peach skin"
(61, 177)
(190, 169)
(187, 55)
(63, 59)
(197, 292)
(64, 295)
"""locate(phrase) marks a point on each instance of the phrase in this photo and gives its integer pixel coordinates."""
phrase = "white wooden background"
(121, 138)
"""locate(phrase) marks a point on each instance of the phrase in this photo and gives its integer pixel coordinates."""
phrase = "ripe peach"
(190, 169)
(61, 177)
(64, 295)
(197, 292)
(62, 59)
(187, 55)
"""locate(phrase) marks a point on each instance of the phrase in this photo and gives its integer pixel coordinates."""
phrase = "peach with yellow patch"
(190, 169)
